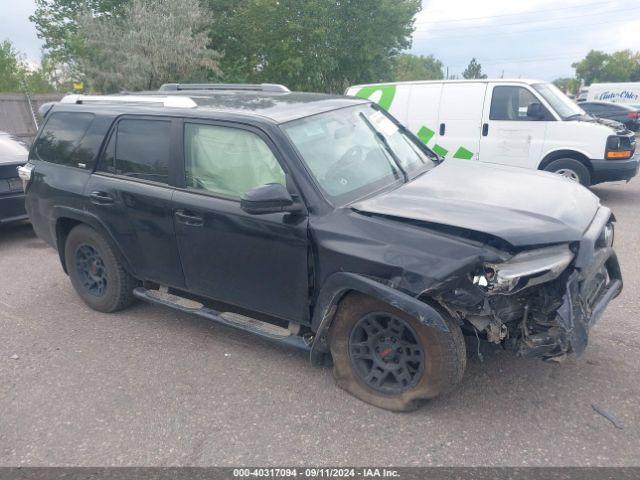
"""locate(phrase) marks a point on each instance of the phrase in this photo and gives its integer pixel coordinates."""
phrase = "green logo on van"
(388, 92)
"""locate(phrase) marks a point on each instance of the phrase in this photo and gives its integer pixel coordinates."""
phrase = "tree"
(597, 66)
(56, 22)
(9, 68)
(412, 67)
(473, 70)
(151, 43)
(17, 76)
(567, 85)
(311, 44)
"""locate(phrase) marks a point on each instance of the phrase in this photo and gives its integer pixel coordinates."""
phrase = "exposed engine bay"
(538, 302)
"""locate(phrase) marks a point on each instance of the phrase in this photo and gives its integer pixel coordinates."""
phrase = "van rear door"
(459, 120)
(422, 113)
(509, 135)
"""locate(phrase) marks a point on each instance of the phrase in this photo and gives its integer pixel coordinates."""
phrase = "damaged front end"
(539, 302)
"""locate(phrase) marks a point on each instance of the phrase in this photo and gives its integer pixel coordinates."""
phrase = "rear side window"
(511, 103)
(592, 108)
(139, 148)
(61, 140)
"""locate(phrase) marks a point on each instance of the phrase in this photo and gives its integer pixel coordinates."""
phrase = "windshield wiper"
(574, 116)
(386, 145)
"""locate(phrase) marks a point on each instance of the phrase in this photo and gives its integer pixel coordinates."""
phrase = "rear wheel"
(387, 358)
(95, 272)
(571, 169)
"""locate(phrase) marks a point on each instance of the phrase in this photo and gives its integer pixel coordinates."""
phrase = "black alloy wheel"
(385, 352)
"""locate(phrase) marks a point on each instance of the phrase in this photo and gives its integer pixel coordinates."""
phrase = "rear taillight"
(633, 115)
(24, 172)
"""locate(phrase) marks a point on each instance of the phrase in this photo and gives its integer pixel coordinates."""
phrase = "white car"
(522, 123)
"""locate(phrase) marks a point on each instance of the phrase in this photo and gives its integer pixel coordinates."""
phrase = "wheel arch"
(566, 153)
(68, 218)
(340, 284)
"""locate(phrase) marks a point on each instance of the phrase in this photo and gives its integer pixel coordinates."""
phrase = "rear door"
(130, 193)
(460, 119)
(256, 262)
(509, 136)
(422, 113)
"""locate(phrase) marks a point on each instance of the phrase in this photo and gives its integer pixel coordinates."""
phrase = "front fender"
(340, 283)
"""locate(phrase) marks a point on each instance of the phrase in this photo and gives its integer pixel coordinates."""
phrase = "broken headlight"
(524, 270)
(606, 236)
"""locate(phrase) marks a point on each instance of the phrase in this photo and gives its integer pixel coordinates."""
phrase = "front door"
(509, 135)
(257, 262)
(130, 193)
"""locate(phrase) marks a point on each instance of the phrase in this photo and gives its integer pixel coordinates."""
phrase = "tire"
(572, 169)
(443, 355)
(95, 272)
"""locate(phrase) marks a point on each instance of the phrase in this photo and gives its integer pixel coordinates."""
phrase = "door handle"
(101, 198)
(189, 218)
(485, 129)
(442, 128)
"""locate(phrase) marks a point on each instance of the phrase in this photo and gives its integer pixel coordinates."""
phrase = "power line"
(526, 22)
(499, 34)
(531, 12)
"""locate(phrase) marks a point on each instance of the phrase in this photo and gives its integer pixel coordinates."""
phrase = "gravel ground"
(149, 386)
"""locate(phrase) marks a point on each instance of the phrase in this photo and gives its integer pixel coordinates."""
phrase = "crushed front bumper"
(594, 282)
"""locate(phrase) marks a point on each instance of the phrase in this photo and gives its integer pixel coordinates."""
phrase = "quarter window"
(228, 161)
(139, 148)
(61, 139)
(511, 103)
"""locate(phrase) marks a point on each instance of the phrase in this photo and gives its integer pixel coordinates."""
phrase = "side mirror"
(269, 198)
(535, 111)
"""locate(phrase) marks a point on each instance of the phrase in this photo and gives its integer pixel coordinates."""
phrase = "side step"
(265, 330)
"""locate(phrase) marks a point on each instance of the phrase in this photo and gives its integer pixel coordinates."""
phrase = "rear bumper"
(614, 170)
(12, 208)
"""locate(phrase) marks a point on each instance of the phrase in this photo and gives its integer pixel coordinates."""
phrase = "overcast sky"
(530, 38)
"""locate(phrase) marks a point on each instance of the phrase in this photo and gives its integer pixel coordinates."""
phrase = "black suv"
(321, 223)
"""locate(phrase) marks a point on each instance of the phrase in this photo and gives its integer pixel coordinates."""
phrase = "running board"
(265, 330)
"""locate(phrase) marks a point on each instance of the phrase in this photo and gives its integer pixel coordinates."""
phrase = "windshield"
(563, 105)
(355, 151)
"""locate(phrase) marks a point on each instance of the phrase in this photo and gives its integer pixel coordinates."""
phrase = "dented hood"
(523, 207)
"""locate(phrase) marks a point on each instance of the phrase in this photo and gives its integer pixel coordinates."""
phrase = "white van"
(523, 123)
(627, 93)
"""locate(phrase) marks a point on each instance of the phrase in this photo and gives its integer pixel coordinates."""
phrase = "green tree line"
(313, 45)
(599, 67)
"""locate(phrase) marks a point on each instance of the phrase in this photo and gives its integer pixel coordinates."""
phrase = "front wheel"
(571, 169)
(387, 358)
(95, 272)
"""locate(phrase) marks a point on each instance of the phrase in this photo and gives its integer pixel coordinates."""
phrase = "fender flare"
(341, 283)
(83, 216)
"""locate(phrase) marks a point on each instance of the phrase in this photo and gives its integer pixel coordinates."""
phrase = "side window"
(61, 139)
(139, 148)
(593, 108)
(511, 103)
(228, 161)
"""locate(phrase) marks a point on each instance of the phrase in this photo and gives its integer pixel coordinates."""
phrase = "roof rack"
(257, 87)
(166, 101)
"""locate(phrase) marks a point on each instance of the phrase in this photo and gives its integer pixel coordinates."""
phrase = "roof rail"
(258, 87)
(166, 101)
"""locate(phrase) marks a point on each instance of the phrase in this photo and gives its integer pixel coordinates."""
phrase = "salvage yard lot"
(151, 386)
